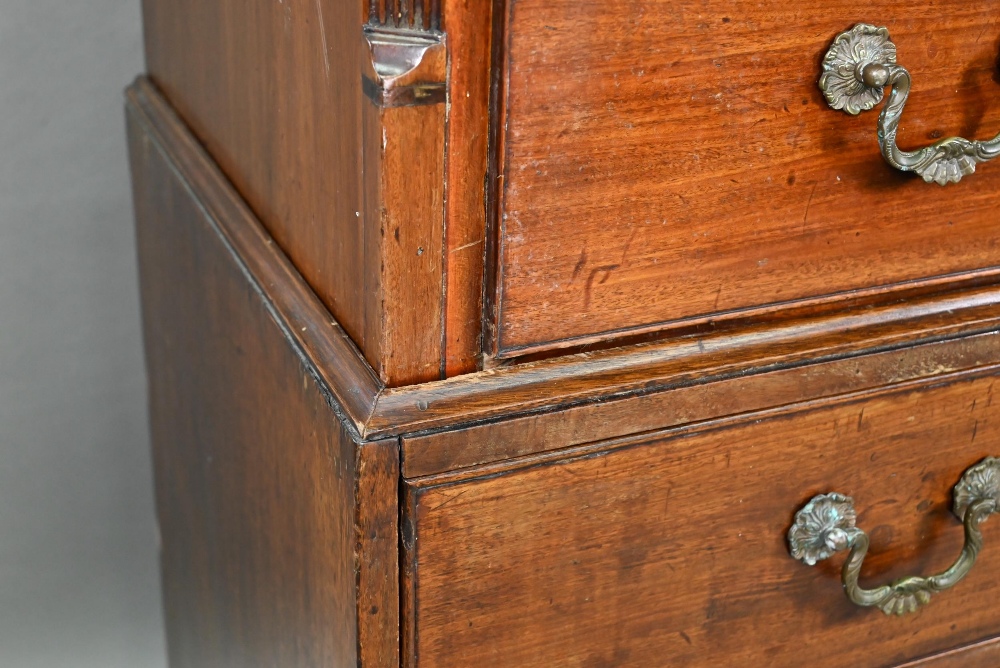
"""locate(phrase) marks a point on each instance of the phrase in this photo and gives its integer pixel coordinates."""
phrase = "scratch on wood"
(579, 264)
(805, 218)
(322, 35)
(606, 270)
(628, 245)
(975, 430)
(448, 500)
(474, 243)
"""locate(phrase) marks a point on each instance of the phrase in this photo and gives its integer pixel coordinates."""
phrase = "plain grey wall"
(78, 571)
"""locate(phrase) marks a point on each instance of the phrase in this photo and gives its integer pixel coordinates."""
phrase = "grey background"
(78, 569)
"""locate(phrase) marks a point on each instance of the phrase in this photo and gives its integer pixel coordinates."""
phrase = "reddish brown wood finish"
(688, 402)
(248, 368)
(403, 171)
(595, 378)
(669, 549)
(671, 162)
(295, 306)
(273, 90)
(352, 191)
(469, 30)
(278, 524)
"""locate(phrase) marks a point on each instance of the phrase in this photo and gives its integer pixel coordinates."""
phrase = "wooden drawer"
(501, 180)
(670, 549)
(666, 163)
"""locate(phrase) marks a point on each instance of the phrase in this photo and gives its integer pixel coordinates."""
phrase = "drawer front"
(669, 161)
(671, 549)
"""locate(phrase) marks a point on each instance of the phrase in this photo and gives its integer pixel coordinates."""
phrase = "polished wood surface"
(631, 372)
(273, 90)
(278, 524)
(514, 332)
(671, 162)
(404, 217)
(669, 549)
(581, 384)
(353, 192)
(469, 30)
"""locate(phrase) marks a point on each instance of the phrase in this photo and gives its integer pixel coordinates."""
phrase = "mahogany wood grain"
(404, 217)
(469, 31)
(351, 191)
(669, 548)
(278, 523)
(673, 161)
(560, 401)
(273, 90)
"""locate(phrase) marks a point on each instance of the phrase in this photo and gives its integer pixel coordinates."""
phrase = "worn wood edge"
(599, 448)
(339, 367)
(858, 298)
(377, 553)
(985, 653)
(646, 368)
(495, 187)
(409, 561)
(403, 211)
(466, 195)
(485, 443)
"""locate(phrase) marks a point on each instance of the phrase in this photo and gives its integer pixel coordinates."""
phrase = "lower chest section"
(671, 549)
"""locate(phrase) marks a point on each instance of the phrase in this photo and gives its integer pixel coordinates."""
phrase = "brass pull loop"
(826, 525)
(857, 68)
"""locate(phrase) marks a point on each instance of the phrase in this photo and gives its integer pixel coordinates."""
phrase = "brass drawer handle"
(856, 69)
(826, 525)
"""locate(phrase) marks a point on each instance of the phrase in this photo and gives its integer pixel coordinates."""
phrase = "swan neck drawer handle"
(826, 525)
(857, 68)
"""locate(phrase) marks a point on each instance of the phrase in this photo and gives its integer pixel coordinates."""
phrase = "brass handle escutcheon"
(826, 525)
(857, 68)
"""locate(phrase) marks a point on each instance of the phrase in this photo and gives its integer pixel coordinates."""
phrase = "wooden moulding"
(403, 131)
(587, 395)
(279, 522)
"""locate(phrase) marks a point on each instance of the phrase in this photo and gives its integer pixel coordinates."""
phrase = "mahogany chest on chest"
(594, 333)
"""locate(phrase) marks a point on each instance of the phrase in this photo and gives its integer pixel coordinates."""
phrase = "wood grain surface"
(562, 400)
(669, 548)
(278, 524)
(469, 31)
(592, 378)
(352, 192)
(273, 90)
(668, 161)
(403, 216)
